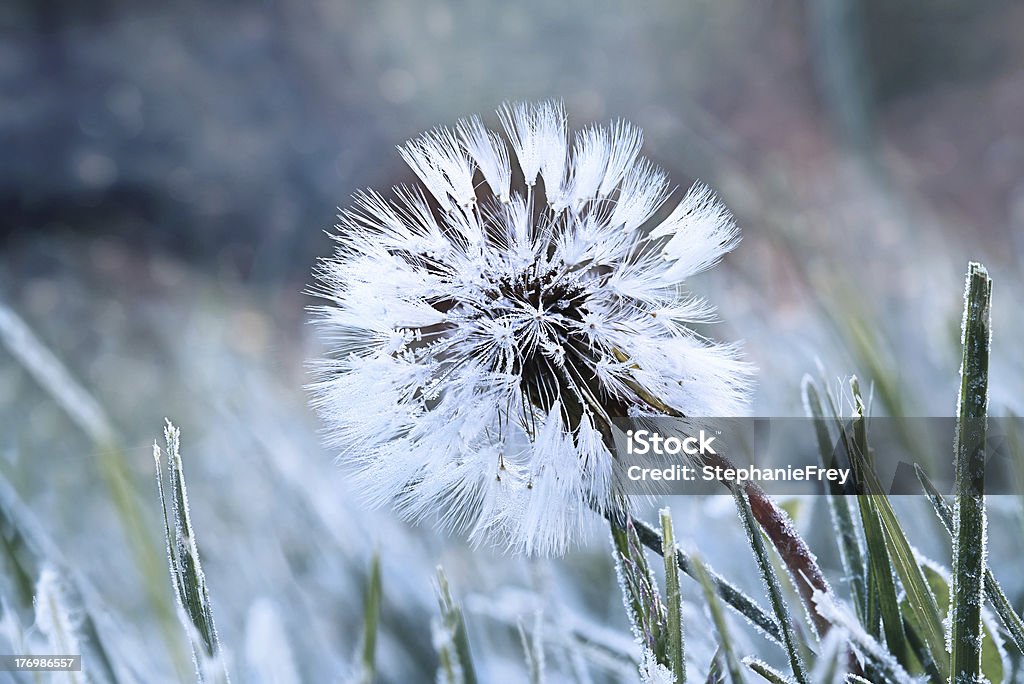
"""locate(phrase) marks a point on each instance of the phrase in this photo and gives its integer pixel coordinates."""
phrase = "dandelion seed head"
(483, 335)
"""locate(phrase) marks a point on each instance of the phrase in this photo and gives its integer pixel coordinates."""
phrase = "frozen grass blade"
(183, 559)
(882, 600)
(648, 615)
(450, 638)
(888, 669)
(767, 673)
(727, 652)
(673, 595)
(969, 520)
(922, 609)
(26, 551)
(715, 673)
(850, 544)
(939, 579)
(993, 591)
(88, 414)
(884, 603)
(533, 648)
(730, 594)
(371, 616)
(771, 582)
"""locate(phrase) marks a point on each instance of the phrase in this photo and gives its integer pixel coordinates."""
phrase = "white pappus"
(484, 332)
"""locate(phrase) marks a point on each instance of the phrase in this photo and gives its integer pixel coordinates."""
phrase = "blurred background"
(167, 177)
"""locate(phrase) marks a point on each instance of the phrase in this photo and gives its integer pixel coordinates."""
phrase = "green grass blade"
(767, 673)
(725, 648)
(673, 596)
(648, 614)
(939, 580)
(881, 584)
(186, 570)
(771, 581)
(456, 662)
(1011, 620)
(371, 616)
(715, 673)
(921, 602)
(730, 594)
(969, 516)
(850, 550)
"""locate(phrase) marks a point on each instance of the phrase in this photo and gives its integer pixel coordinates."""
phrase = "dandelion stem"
(801, 562)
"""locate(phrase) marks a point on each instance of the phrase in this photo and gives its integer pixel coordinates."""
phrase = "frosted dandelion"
(484, 333)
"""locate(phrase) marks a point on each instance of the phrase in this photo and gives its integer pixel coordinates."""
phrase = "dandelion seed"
(483, 336)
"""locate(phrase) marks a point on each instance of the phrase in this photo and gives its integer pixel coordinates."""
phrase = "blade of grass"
(715, 673)
(969, 516)
(187, 576)
(850, 547)
(940, 579)
(771, 582)
(673, 595)
(730, 594)
(648, 615)
(881, 585)
(877, 657)
(451, 639)
(371, 616)
(768, 673)
(1011, 620)
(533, 648)
(54, 377)
(921, 601)
(732, 664)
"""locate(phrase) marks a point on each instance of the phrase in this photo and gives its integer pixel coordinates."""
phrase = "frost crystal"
(653, 672)
(483, 336)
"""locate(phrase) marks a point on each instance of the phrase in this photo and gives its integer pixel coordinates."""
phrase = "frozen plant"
(485, 333)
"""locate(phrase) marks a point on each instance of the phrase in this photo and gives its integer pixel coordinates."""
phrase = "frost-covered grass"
(288, 553)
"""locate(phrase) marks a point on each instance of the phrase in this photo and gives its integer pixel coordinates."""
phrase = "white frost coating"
(449, 670)
(57, 622)
(653, 672)
(480, 344)
(831, 661)
(187, 577)
(840, 616)
(268, 653)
